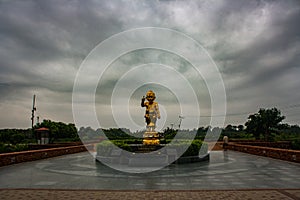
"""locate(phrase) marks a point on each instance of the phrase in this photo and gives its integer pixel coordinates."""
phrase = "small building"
(43, 135)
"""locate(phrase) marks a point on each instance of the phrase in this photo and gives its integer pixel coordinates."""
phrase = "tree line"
(58, 131)
(266, 125)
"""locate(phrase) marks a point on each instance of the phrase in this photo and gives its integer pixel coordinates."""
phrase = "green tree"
(229, 127)
(264, 122)
(59, 130)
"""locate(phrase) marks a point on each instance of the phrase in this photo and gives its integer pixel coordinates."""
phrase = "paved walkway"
(159, 195)
(231, 175)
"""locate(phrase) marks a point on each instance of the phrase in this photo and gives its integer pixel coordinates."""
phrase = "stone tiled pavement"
(225, 170)
(40, 194)
(228, 175)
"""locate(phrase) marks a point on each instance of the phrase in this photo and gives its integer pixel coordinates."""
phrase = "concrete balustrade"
(283, 154)
(24, 156)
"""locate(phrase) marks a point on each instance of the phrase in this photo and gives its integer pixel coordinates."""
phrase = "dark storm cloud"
(39, 38)
(42, 46)
(253, 71)
(279, 33)
(256, 45)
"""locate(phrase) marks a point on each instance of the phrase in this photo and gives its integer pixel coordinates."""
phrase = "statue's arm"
(157, 111)
(143, 102)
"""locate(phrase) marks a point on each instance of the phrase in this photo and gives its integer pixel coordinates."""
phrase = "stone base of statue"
(151, 138)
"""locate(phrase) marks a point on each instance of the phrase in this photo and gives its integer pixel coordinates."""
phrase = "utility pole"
(172, 125)
(180, 120)
(32, 112)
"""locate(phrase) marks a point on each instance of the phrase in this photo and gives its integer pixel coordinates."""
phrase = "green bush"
(21, 147)
(192, 150)
(122, 144)
(296, 144)
(105, 147)
(129, 141)
(7, 148)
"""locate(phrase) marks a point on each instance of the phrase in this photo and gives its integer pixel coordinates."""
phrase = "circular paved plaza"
(227, 174)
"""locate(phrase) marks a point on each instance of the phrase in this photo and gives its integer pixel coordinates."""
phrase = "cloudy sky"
(255, 45)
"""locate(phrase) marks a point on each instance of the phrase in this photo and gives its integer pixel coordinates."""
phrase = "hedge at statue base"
(134, 154)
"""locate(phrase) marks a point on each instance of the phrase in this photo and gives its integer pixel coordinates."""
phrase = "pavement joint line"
(145, 190)
(288, 194)
(57, 194)
(10, 177)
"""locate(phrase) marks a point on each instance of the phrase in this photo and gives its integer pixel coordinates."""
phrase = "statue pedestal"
(151, 138)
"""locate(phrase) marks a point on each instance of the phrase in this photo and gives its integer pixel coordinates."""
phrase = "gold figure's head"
(150, 96)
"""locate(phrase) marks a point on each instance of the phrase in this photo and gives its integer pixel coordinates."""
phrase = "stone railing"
(283, 154)
(24, 156)
(280, 144)
(50, 146)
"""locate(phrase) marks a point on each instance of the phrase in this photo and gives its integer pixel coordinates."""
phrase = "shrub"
(21, 147)
(296, 144)
(192, 150)
(105, 147)
(122, 144)
(7, 148)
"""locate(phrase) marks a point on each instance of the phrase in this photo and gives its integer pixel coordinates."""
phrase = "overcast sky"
(255, 44)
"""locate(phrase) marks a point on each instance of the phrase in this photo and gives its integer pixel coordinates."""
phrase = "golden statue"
(151, 115)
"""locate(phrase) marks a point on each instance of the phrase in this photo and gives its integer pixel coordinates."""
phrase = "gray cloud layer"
(256, 45)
